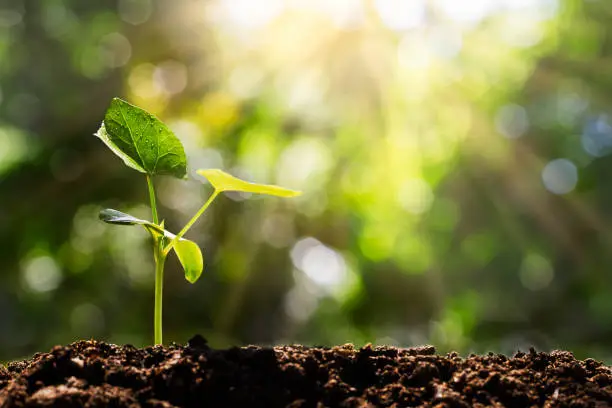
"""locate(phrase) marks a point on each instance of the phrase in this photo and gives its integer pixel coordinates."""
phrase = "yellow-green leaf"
(222, 181)
(190, 257)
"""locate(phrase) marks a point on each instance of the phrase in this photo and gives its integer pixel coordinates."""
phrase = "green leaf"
(117, 217)
(221, 181)
(188, 252)
(142, 141)
(190, 257)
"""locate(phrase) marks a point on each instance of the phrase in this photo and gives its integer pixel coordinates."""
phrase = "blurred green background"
(453, 155)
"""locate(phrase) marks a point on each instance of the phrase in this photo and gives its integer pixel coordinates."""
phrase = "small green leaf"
(117, 217)
(142, 141)
(188, 252)
(221, 181)
(190, 257)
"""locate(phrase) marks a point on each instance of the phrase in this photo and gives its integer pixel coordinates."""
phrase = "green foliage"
(146, 144)
(142, 141)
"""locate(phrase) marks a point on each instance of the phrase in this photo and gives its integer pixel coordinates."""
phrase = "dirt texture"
(97, 374)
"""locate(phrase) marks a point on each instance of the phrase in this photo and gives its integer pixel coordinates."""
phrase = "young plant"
(147, 145)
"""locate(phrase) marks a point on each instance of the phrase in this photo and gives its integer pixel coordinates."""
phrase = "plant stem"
(160, 260)
(152, 198)
(190, 223)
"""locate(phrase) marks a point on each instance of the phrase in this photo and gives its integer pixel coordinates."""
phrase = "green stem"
(152, 198)
(160, 260)
(192, 221)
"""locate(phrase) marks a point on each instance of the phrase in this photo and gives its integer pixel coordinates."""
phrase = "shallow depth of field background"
(453, 155)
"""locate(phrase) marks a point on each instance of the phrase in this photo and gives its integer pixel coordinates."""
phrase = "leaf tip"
(192, 279)
(116, 99)
(100, 130)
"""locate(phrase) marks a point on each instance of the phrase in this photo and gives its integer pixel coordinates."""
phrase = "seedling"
(147, 145)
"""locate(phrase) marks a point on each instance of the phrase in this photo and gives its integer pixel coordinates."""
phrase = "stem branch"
(192, 221)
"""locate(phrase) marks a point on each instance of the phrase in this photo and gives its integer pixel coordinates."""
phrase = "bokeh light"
(560, 176)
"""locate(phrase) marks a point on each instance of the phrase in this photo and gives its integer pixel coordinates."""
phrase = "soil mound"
(97, 374)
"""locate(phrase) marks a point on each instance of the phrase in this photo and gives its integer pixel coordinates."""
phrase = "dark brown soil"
(96, 374)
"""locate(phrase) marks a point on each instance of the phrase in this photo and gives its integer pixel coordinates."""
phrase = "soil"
(97, 374)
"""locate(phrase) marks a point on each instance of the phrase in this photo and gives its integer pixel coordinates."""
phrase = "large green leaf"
(221, 181)
(142, 141)
(188, 252)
